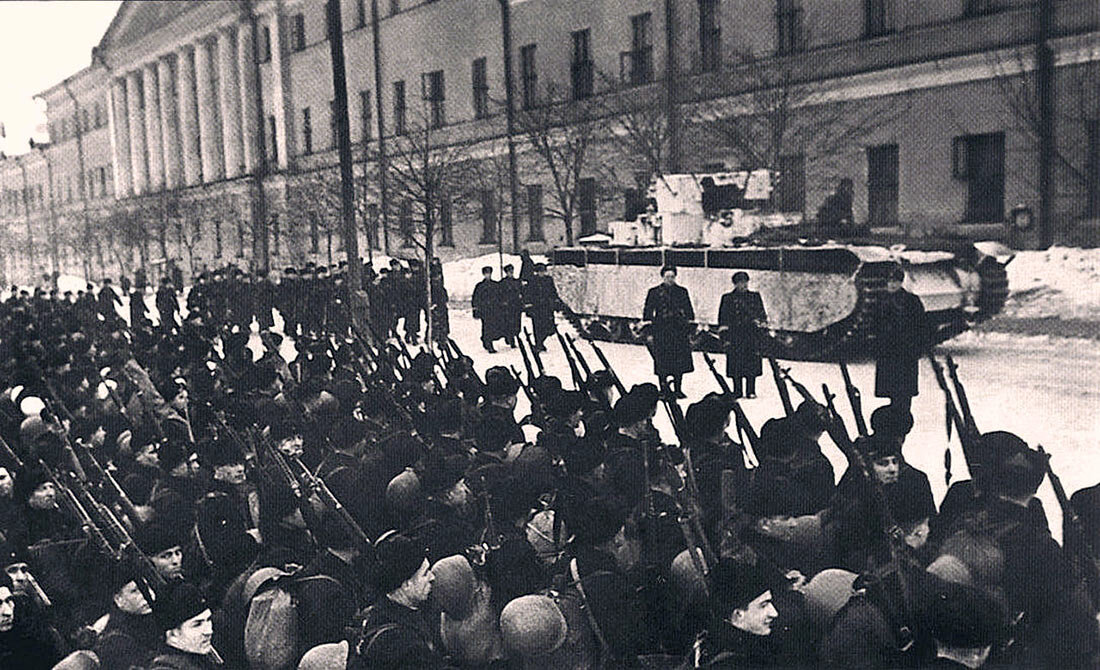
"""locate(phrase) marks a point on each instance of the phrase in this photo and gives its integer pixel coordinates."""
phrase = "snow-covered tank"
(820, 294)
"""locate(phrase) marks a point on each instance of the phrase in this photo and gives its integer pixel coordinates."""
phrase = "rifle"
(750, 441)
(534, 350)
(578, 383)
(16, 461)
(526, 387)
(107, 479)
(966, 438)
(526, 359)
(960, 393)
(318, 486)
(854, 400)
(607, 366)
(1086, 562)
(579, 356)
(689, 522)
(462, 356)
(78, 511)
(784, 392)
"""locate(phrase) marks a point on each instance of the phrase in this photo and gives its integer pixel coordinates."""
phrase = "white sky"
(42, 43)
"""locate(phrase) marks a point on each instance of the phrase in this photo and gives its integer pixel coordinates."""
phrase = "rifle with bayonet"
(318, 486)
(960, 393)
(1077, 540)
(526, 359)
(750, 441)
(534, 350)
(579, 357)
(574, 371)
(781, 386)
(854, 400)
(967, 439)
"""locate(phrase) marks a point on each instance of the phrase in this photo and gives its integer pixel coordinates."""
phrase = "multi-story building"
(204, 131)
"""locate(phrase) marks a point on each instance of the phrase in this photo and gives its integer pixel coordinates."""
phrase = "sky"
(42, 43)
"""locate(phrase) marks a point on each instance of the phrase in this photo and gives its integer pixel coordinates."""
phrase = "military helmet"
(532, 626)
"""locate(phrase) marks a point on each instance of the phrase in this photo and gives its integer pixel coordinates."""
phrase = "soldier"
(167, 304)
(108, 300)
(188, 628)
(902, 338)
(669, 315)
(486, 305)
(441, 323)
(741, 316)
(510, 305)
(131, 635)
(542, 301)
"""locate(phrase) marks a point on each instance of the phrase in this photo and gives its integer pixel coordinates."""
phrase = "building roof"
(136, 19)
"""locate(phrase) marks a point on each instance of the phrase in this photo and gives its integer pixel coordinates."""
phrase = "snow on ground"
(1061, 282)
(1041, 389)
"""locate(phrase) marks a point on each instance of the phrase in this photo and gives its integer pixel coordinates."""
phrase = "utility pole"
(356, 295)
(510, 116)
(260, 240)
(83, 194)
(672, 108)
(383, 167)
(54, 260)
(27, 216)
(1044, 72)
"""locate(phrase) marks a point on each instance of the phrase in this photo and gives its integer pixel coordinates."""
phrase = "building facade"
(204, 131)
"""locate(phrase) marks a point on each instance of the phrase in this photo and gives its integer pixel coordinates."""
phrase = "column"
(210, 135)
(120, 137)
(153, 139)
(230, 93)
(138, 165)
(188, 119)
(169, 125)
(250, 103)
(280, 92)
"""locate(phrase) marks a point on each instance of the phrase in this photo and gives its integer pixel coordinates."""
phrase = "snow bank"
(1059, 282)
(461, 275)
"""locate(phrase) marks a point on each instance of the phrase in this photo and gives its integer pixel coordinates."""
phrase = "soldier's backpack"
(272, 630)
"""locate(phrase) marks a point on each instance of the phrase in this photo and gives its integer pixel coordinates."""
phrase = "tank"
(819, 289)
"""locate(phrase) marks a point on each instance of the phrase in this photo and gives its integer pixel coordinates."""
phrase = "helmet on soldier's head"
(540, 535)
(688, 584)
(532, 626)
(454, 585)
(404, 494)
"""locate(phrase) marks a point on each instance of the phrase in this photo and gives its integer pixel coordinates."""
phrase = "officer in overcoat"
(901, 339)
(669, 315)
(741, 316)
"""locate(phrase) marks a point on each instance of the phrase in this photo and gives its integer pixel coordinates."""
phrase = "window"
(399, 107)
(446, 223)
(217, 238)
(636, 65)
(788, 26)
(265, 44)
(979, 160)
(433, 91)
(361, 13)
(790, 194)
(710, 35)
(307, 132)
(534, 212)
(879, 17)
(979, 7)
(530, 75)
(480, 79)
(882, 185)
(1092, 168)
(273, 149)
(299, 34)
(586, 204)
(365, 114)
(404, 221)
(488, 217)
(581, 68)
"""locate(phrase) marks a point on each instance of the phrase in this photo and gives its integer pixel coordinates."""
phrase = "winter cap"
(398, 558)
(178, 602)
(158, 536)
(734, 584)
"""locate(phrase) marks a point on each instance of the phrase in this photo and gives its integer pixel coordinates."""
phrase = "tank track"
(846, 339)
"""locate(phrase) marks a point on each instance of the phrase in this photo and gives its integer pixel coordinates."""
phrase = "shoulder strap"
(576, 574)
(371, 635)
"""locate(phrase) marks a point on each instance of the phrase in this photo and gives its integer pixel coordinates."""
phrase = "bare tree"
(424, 168)
(562, 133)
(637, 124)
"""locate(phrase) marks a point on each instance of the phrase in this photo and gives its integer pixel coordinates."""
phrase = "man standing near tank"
(901, 338)
(741, 315)
(669, 314)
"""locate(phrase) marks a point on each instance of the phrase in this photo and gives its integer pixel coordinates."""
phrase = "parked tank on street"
(820, 293)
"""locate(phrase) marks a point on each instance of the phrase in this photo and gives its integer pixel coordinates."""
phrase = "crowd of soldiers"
(172, 497)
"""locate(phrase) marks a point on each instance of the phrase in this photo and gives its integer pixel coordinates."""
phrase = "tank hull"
(820, 300)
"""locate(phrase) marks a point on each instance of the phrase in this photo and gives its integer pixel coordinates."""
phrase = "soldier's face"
(419, 586)
(6, 483)
(757, 617)
(43, 497)
(669, 277)
(7, 609)
(231, 473)
(893, 285)
(887, 469)
(20, 577)
(194, 635)
(147, 456)
(291, 447)
(169, 563)
(129, 599)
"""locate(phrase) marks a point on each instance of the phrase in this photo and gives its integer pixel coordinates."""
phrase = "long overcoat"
(901, 338)
(668, 309)
(739, 312)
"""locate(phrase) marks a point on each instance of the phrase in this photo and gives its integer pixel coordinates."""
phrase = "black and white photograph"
(549, 334)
